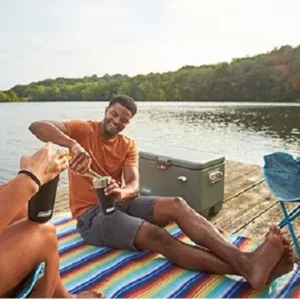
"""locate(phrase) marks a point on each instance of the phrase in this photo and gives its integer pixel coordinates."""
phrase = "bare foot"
(265, 258)
(88, 294)
(286, 263)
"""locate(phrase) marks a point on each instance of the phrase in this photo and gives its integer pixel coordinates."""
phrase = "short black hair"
(125, 101)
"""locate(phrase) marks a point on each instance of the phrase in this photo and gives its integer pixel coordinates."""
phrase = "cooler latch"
(182, 179)
(215, 176)
(163, 163)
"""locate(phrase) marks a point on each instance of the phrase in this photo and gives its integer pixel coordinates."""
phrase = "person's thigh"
(21, 245)
(117, 230)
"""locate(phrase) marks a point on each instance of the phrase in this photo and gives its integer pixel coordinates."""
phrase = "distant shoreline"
(139, 101)
(269, 77)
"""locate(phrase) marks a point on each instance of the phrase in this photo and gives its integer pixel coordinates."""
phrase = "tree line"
(272, 76)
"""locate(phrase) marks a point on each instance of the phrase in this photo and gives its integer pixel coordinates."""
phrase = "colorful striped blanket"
(126, 274)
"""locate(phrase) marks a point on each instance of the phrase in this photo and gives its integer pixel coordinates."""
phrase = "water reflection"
(239, 132)
(271, 121)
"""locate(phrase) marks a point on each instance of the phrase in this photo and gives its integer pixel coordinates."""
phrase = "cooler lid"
(181, 157)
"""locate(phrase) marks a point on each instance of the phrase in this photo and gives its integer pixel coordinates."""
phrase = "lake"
(242, 132)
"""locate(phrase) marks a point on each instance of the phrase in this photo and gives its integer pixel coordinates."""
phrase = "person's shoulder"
(78, 124)
(81, 128)
(126, 141)
(93, 125)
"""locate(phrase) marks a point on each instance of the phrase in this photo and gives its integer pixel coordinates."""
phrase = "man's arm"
(52, 131)
(130, 174)
(13, 197)
(57, 133)
(131, 188)
(131, 177)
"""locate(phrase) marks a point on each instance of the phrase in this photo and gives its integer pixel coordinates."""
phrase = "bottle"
(106, 202)
(40, 207)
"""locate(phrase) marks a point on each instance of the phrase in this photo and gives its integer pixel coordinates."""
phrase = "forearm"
(48, 132)
(130, 190)
(14, 196)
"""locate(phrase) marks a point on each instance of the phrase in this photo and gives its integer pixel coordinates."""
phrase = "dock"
(249, 208)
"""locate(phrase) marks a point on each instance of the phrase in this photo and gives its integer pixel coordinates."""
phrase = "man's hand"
(45, 164)
(114, 188)
(81, 160)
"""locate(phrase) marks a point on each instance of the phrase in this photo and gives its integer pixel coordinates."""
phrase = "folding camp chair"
(282, 174)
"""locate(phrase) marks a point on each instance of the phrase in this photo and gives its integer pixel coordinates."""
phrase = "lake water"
(241, 132)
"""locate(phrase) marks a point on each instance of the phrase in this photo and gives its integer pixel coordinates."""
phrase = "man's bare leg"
(157, 239)
(23, 246)
(286, 263)
(255, 267)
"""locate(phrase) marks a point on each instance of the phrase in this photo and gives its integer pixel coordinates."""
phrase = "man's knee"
(179, 207)
(152, 237)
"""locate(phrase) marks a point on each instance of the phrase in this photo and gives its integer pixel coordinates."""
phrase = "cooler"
(197, 177)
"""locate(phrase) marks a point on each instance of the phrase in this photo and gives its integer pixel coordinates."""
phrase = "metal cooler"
(196, 176)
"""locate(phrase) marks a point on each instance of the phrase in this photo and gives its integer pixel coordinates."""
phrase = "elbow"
(33, 127)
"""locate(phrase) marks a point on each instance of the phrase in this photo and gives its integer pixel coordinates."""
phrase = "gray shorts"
(119, 229)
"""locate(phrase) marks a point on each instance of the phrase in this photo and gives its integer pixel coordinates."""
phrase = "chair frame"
(287, 221)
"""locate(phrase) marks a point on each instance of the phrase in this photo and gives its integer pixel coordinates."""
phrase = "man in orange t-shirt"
(135, 224)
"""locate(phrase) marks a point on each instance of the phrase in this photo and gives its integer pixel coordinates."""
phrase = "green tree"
(273, 76)
(3, 97)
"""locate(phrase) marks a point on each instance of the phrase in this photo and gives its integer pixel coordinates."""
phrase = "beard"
(109, 130)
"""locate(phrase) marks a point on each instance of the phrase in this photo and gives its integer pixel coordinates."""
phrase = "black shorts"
(117, 230)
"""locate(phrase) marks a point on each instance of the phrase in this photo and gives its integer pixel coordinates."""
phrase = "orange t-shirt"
(108, 159)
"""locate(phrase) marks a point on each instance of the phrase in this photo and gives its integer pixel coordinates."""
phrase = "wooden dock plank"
(271, 216)
(240, 177)
(242, 209)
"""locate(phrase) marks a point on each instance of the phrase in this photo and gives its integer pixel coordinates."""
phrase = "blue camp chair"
(282, 174)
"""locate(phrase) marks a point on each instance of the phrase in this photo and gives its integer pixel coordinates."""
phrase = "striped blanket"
(126, 274)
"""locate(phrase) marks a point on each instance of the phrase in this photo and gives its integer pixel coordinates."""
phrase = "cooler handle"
(163, 163)
(182, 179)
(215, 176)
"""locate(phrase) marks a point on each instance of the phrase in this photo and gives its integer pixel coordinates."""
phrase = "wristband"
(32, 176)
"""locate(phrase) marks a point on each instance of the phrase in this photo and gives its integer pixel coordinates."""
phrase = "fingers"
(63, 163)
(111, 180)
(81, 164)
(112, 187)
(81, 160)
(48, 149)
(112, 190)
(24, 161)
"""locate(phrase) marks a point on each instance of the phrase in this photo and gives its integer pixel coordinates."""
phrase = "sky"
(42, 39)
